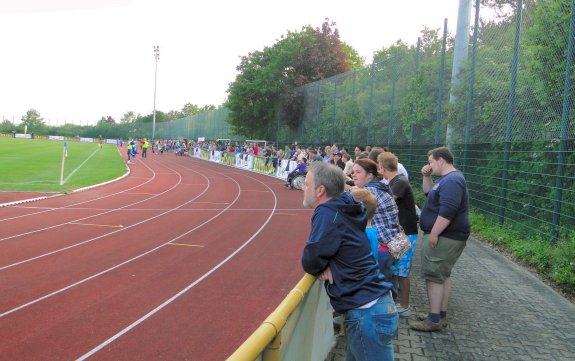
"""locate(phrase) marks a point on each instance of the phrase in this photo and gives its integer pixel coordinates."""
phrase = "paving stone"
(498, 311)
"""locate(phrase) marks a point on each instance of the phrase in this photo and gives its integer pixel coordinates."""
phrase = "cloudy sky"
(78, 60)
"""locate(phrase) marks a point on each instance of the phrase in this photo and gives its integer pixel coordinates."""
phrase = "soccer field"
(28, 165)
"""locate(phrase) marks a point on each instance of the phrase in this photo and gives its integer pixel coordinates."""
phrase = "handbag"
(400, 244)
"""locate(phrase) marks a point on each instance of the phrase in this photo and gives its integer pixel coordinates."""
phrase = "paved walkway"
(498, 311)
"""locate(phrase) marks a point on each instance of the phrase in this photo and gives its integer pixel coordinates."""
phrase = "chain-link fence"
(209, 125)
(506, 113)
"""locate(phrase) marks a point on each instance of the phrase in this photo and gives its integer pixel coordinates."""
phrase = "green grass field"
(28, 165)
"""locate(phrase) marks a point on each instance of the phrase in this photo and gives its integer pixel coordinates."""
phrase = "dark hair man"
(445, 224)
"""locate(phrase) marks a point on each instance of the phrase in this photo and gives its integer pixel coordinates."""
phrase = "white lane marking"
(88, 217)
(109, 269)
(107, 234)
(177, 295)
(98, 225)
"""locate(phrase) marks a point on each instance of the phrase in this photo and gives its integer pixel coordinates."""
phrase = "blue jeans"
(370, 331)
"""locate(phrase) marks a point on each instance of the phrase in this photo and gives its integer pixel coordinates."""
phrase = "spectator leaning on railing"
(338, 253)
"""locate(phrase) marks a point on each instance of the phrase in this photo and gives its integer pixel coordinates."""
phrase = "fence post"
(319, 108)
(392, 108)
(370, 103)
(440, 88)
(470, 95)
(510, 110)
(332, 141)
(411, 140)
(564, 130)
(278, 115)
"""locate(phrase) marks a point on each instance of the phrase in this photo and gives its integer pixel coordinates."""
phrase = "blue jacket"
(301, 168)
(337, 239)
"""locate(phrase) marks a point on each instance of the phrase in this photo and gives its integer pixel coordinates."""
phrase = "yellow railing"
(266, 340)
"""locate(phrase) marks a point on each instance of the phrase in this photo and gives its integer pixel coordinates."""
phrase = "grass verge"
(28, 165)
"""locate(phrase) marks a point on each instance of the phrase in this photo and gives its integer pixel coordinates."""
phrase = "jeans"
(370, 331)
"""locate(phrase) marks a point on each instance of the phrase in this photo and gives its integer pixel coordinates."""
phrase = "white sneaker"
(403, 312)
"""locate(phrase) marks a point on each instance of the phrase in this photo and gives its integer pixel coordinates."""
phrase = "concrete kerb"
(7, 204)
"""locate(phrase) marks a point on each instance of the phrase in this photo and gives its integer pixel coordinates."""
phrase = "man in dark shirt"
(445, 224)
(387, 166)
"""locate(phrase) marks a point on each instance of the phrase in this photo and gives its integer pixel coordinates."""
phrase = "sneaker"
(423, 316)
(426, 326)
(402, 311)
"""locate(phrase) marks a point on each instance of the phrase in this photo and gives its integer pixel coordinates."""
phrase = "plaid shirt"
(385, 218)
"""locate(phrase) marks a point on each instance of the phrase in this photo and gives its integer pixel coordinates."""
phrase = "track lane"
(243, 220)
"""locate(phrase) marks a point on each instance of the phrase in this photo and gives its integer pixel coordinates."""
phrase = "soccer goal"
(259, 142)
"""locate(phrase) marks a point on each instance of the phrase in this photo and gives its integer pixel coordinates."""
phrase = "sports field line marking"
(80, 166)
(187, 245)
(87, 201)
(97, 225)
(286, 214)
(186, 289)
(255, 190)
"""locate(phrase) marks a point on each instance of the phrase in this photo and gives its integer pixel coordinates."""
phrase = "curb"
(8, 204)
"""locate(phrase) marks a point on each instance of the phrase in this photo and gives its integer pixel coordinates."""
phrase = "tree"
(172, 115)
(128, 117)
(321, 55)
(354, 61)
(190, 109)
(160, 117)
(270, 81)
(107, 120)
(33, 121)
(207, 108)
(547, 42)
(7, 126)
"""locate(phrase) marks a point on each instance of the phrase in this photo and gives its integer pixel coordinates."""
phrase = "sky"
(75, 61)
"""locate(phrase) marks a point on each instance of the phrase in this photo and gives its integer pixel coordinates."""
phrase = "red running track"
(181, 260)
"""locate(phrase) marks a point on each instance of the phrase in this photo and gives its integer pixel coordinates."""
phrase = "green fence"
(506, 114)
(210, 125)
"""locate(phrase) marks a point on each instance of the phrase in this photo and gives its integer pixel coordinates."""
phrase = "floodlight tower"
(157, 56)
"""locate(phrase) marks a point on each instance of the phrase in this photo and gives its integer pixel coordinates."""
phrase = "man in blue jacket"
(338, 252)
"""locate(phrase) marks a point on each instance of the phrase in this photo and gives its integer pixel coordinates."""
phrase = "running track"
(181, 260)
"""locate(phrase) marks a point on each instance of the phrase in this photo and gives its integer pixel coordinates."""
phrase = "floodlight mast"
(157, 56)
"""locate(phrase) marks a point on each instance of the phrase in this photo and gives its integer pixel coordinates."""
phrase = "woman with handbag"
(385, 220)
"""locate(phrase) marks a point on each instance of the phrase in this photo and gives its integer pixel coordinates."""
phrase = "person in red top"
(256, 149)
